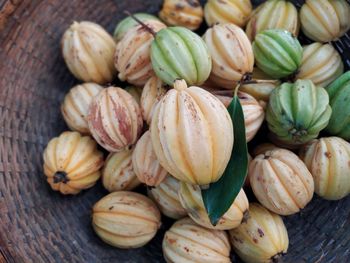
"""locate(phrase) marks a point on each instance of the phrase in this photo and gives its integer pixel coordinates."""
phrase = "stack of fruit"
(183, 128)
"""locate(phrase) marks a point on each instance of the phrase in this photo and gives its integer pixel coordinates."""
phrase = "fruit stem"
(75, 25)
(180, 84)
(60, 177)
(236, 89)
(256, 81)
(150, 30)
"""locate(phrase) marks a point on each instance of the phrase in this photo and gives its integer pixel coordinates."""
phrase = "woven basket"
(40, 225)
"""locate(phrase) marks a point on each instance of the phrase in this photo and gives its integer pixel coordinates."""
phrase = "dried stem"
(236, 89)
(150, 30)
(245, 79)
(256, 81)
(60, 177)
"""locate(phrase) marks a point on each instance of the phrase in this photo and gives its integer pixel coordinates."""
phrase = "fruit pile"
(183, 126)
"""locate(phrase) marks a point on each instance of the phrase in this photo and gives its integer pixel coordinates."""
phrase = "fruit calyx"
(297, 134)
(247, 77)
(276, 258)
(291, 78)
(60, 177)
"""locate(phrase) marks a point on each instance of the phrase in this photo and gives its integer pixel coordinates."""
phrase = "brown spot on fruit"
(172, 240)
(191, 107)
(187, 249)
(110, 208)
(255, 240)
(123, 121)
(261, 233)
(328, 155)
(253, 27)
(95, 118)
(242, 96)
(237, 239)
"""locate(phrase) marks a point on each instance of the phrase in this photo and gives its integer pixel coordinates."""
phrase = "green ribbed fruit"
(178, 53)
(339, 96)
(298, 111)
(277, 52)
(128, 22)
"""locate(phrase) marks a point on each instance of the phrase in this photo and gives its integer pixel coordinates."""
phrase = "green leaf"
(220, 195)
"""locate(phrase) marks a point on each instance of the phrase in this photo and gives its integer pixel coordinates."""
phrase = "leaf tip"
(214, 220)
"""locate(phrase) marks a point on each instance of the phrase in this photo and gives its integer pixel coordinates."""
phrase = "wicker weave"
(39, 225)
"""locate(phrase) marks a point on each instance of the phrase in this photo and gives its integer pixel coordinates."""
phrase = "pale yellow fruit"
(328, 160)
(132, 56)
(227, 11)
(115, 119)
(321, 63)
(118, 174)
(187, 242)
(183, 13)
(145, 162)
(325, 20)
(75, 106)
(191, 199)
(254, 114)
(253, 111)
(187, 131)
(135, 92)
(281, 181)
(261, 90)
(261, 85)
(263, 238)
(88, 51)
(231, 53)
(273, 14)
(167, 199)
(152, 92)
(72, 162)
(125, 219)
